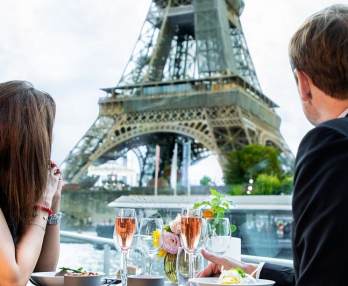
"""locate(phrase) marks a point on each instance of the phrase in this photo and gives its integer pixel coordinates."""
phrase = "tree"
(251, 161)
(206, 181)
(266, 185)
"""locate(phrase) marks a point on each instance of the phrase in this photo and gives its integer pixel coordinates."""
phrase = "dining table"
(166, 283)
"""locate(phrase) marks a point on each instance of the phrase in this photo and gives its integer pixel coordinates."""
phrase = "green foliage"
(266, 185)
(237, 190)
(286, 185)
(206, 181)
(251, 161)
(167, 228)
(218, 204)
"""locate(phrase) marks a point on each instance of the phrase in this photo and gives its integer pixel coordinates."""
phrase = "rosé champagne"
(191, 227)
(124, 230)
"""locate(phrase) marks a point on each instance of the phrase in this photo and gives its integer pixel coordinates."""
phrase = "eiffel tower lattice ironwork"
(189, 77)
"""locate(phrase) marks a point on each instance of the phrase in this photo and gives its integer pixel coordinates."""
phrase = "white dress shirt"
(343, 114)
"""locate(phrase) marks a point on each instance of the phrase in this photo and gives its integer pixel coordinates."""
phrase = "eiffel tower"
(189, 78)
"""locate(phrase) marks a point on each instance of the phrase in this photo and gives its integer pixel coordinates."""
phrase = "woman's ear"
(303, 85)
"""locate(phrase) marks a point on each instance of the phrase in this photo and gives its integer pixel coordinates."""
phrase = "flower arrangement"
(169, 240)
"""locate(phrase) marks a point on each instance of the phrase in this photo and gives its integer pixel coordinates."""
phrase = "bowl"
(47, 279)
(79, 280)
(145, 280)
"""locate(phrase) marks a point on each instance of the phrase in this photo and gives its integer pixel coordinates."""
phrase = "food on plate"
(236, 276)
(75, 272)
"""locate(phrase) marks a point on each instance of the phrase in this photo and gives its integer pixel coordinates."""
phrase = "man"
(319, 58)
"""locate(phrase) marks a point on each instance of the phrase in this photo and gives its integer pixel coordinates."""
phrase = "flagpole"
(157, 168)
(174, 170)
(188, 167)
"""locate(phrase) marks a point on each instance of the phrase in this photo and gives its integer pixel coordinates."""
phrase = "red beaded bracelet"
(44, 208)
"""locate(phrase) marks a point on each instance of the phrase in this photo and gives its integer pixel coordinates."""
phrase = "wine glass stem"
(124, 268)
(191, 266)
(150, 265)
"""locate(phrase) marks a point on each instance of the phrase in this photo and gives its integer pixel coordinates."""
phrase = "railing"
(107, 243)
(211, 84)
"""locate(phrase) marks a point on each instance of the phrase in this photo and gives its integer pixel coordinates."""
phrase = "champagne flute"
(182, 266)
(125, 227)
(218, 235)
(191, 227)
(146, 231)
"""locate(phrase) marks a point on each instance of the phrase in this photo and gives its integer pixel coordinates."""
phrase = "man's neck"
(333, 108)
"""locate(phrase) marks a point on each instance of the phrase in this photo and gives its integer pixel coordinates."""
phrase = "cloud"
(73, 48)
(268, 27)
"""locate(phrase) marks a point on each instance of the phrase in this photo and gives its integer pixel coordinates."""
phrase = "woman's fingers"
(61, 183)
(54, 168)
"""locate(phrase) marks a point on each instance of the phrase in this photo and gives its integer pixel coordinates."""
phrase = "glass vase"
(170, 267)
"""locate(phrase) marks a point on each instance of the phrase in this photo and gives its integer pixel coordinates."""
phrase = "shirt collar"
(343, 114)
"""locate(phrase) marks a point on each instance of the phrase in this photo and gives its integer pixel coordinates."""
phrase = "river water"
(75, 255)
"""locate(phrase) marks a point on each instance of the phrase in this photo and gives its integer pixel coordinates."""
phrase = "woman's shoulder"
(6, 220)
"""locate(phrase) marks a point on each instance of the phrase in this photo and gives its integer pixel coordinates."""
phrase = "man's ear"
(303, 84)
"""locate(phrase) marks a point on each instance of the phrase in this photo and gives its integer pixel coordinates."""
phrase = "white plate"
(214, 281)
(47, 279)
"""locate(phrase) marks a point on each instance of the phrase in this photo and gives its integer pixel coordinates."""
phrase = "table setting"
(177, 245)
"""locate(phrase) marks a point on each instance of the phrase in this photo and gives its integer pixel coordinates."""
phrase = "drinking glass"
(218, 235)
(125, 227)
(146, 235)
(191, 227)
(182, 266)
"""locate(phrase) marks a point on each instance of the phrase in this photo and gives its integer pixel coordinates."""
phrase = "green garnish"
(78, 270)
(241, 272)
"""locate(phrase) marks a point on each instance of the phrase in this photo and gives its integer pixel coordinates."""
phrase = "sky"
(72, 48)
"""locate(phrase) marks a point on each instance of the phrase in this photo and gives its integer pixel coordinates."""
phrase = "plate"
(214, 281)
(47, 279)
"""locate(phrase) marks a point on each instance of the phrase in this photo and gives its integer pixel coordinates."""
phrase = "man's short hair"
(320, 49)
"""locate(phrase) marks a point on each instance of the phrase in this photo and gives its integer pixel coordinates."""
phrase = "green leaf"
(214, 192)
(241, 272)
(201, 204)
(233, 228)
(78, 270)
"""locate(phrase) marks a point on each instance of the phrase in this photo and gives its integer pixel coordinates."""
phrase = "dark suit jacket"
(320, 210)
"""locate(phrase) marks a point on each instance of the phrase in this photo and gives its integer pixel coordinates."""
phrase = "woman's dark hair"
(26, 123)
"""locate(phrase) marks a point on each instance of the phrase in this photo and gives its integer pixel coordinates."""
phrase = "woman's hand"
(53, 187)
(57, 196)
(219, 262)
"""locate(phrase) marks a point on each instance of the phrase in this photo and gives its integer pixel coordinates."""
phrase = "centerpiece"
(168, 241)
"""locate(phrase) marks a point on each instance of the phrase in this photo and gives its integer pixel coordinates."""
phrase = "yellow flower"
(161, 252)
(156, 236)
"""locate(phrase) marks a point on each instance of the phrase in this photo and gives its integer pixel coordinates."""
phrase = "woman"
(30, 186)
